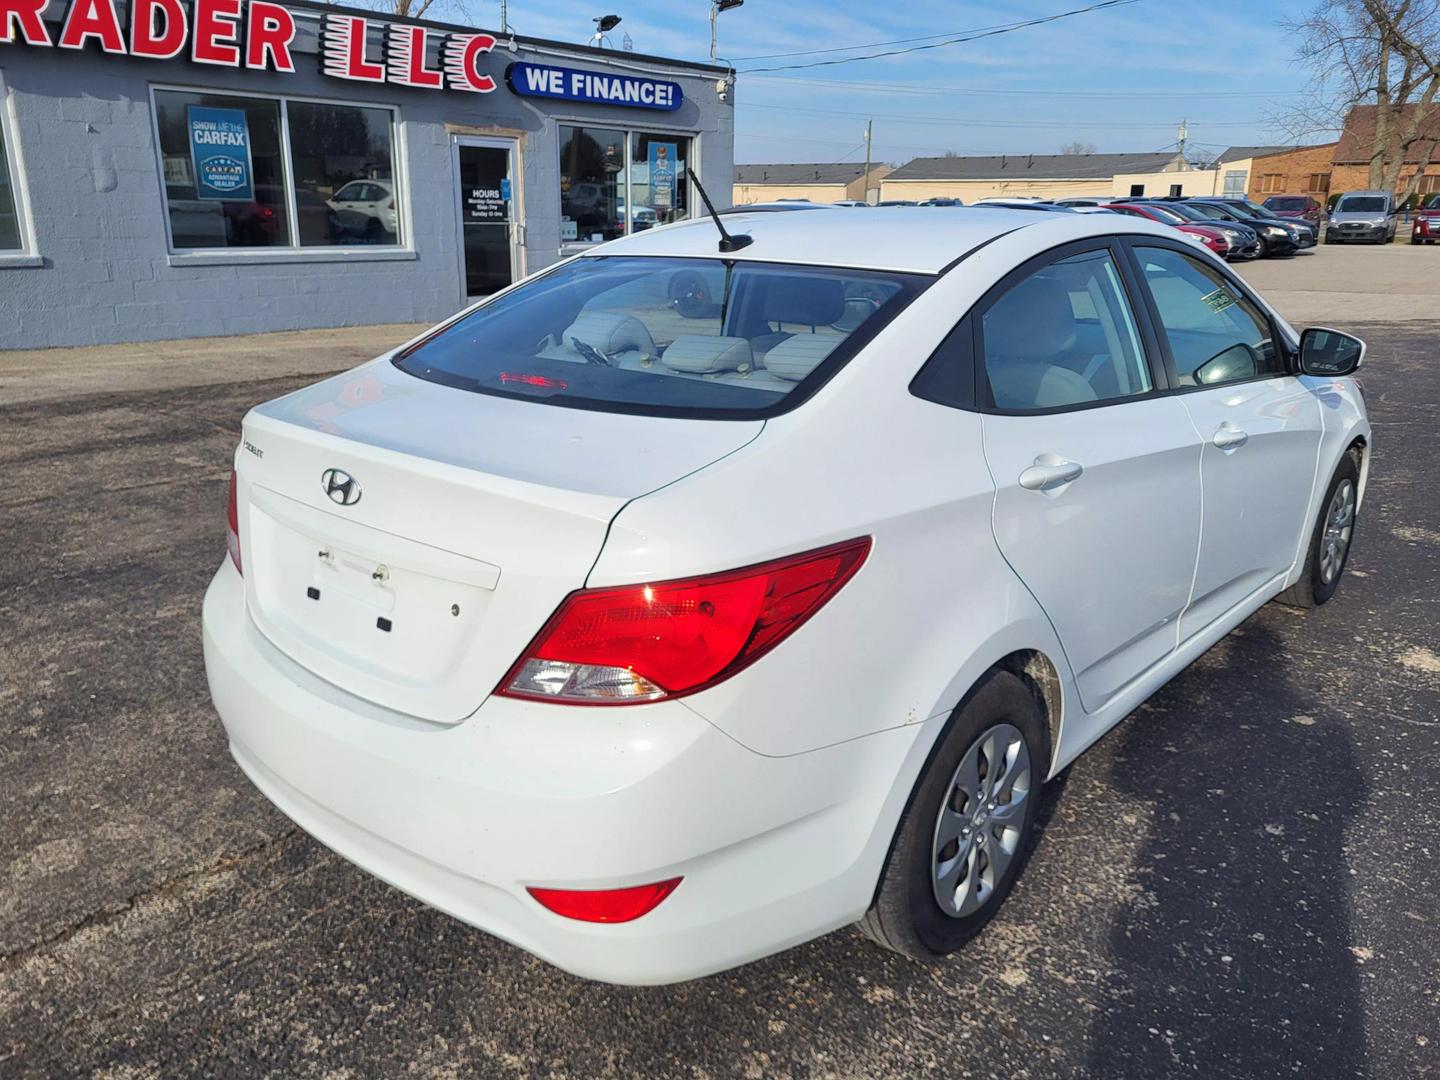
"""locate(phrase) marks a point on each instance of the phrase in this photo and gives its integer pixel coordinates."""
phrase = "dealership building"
(184, 168)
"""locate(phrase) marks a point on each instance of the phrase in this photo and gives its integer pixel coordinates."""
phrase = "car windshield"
(1361, 204)
(1245, 206)
(1210, 210)
(665, 336)
(1288, 203)
(1432, 203)
(1165, 214)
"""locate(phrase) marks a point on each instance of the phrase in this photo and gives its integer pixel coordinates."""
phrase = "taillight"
(605, 905)
(390, 205)
(232, 525)
(638, 643)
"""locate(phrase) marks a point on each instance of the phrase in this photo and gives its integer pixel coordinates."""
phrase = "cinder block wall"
(85, 140)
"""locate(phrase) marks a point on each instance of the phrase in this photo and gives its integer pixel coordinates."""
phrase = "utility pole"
(865, 193)
(1182, 136)
(716, 7)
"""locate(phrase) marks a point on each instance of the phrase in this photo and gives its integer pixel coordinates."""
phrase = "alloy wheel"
(1339, 524)
(980, 826)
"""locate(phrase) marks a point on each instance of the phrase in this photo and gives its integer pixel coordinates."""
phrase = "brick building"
(1352, 153)
(1258, 172)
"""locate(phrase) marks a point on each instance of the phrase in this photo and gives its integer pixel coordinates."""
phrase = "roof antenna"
(727, 242)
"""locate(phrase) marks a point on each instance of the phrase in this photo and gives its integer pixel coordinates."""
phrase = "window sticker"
(1219, 300)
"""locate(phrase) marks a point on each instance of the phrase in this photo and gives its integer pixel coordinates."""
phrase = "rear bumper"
(773, 851)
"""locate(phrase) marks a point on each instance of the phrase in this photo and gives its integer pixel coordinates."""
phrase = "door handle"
(1050, 472)
(1229, 437)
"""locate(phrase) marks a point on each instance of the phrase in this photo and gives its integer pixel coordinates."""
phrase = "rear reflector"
(605, 905)
(232, 525)
(638, 643)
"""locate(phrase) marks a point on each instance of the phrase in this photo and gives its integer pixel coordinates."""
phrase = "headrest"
(1037, 386)
(1033, 321)
(610, 333)
(700, 354)
(797, 356)
(809, 301)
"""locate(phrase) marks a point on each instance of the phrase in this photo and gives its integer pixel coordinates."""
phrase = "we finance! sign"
(596, 87)
(258, 35)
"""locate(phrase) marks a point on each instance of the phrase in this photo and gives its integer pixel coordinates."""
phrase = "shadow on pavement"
(1236, 960)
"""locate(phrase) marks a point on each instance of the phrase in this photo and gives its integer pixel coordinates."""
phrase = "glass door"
(488, 230)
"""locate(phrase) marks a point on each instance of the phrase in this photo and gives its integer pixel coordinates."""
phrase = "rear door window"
(1063, 336)
(1216, 334)
(666, 336)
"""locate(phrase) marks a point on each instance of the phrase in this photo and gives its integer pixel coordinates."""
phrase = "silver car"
(1368, 216)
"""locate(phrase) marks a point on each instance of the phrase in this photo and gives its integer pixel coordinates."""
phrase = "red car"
(1212, 238)
(1426, 226)
(1298, 207)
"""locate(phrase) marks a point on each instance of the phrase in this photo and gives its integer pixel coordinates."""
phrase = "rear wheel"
(1329, 549)
(964, 837)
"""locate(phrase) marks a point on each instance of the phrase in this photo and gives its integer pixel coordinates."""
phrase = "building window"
(1320, 182)
(228, 183)
(1137, 190)
(616, 182)
(9, 205)
(1235, 180)
(592, 183)
(657, 179)
(343, 162)
(1272, 182)
(1429, 184)
(1177, 190)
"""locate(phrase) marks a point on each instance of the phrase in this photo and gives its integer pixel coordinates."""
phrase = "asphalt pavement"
(1239, 881)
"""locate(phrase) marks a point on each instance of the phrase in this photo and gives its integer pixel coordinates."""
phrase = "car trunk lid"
(405, 540)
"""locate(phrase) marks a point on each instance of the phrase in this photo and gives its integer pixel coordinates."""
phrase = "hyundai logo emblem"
(340, 486)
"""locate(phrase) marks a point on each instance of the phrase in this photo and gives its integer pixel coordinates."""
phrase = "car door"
(1259, 426)
(1096, 469)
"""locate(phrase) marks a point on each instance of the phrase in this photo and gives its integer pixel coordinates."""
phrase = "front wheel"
(964, 837)
(1329, 549)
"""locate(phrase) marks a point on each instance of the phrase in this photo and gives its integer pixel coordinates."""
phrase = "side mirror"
(1329, 353)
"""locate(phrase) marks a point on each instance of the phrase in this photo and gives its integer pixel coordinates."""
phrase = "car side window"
(1216, 334)
(1065, 335)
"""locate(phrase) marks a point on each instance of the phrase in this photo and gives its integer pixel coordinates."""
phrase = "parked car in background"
(1020, 203)
(778, 206)
(1276, 238)
(1007, 200)
(1214, 237)
(1244, 241)
(942, 202)
(1297, 207)
(1088, 200)
(1265, 222)
(373, 200)
(896, 202)
(1367, 217)
(850, 202)
(558, 619)
(1425, 227)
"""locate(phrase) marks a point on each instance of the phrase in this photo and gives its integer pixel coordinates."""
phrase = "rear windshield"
(1290, 202)
(663, 336)
(1361, 204)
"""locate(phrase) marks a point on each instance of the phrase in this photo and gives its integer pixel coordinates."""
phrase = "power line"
(1000, 122)
(1008, 28)
(875, 44)
(906, 89)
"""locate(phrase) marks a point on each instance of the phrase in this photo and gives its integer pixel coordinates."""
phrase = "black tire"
(905, 915)
(1264, 252)
(1312, 589)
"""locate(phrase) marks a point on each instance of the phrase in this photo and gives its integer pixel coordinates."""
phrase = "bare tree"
(1384, 53)
(1078, 147)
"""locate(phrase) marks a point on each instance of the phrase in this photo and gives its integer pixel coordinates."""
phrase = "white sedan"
(655, 638)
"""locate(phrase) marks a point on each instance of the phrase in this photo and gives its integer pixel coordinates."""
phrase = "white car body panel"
(774, 794)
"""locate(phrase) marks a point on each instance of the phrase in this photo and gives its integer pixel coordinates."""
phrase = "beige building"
(1049, 176)
(816, 182)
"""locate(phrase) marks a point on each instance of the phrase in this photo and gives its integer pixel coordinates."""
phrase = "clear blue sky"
(1121, 79)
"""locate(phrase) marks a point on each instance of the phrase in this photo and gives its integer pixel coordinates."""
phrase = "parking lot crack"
(180, 883)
